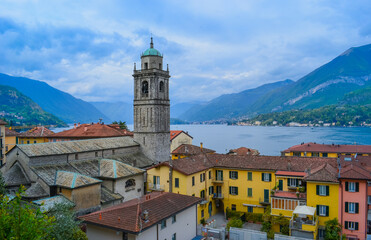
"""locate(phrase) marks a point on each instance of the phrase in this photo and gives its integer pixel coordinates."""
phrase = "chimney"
(78, 124)
(201, 145)
(74, 125)
(100, 216)
(85, 129)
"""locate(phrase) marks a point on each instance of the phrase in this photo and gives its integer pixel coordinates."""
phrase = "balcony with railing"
(217, 180)
(218, 196)
(156, 187)
(304, 224)
(264, 201)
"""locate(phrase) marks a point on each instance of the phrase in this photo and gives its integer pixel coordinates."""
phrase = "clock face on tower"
(152, 106)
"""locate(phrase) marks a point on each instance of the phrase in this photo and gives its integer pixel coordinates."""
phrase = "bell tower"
(152, 106)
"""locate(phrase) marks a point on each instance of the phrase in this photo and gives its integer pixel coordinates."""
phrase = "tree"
(235, 222)
(332, 229)
(18, 220)
(121, 124)
(66, 227)
(3, 190)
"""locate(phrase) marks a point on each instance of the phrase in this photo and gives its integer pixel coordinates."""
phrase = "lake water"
(268, 140)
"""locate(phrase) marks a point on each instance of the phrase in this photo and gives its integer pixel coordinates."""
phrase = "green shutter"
(236, 175)
(317, 189)
(346, 224)
(280, 183)
(297, 182)
(356, 225)
(346, 186)
(288, 184)
(327, 210)
(236, 190)
(249, 176)
(317, 210)
(270, 177)
(327, 191)
(230, 174)
(262, 176)
(357, 207)
(357, 187)
(249, 192)
(346, 206)
(230, 190)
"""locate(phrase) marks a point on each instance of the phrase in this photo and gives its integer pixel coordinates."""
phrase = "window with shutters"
(163, 224)
(249, 176)
(177, 182)
(353, 186)
(249, 192)
(250, 209)
(233, 190)
(266, 177)
(322, 210)
(323, 190)
(211, 190)
(351, 207)
(292, 182)
(233, 174)
(202, 177)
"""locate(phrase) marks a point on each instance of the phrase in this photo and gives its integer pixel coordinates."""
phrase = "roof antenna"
(151, 41)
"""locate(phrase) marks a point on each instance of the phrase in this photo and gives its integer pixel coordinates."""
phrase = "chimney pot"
(100, 216)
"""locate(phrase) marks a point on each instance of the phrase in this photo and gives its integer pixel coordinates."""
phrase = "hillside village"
(153, 183)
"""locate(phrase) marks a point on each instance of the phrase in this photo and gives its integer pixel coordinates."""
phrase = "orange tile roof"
(9, 132)
(189, 149)
(329, 148)
(128, 217)
(244, 151)
(352, 171)
(288, 173)
(37, 132)
(96, 130)
(284, 194)
(323, 173)
(175, 133)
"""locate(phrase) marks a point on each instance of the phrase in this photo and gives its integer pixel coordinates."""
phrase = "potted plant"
(203, 222)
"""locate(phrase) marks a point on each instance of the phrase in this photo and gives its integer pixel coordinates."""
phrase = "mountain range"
(327, 85)
(18, 109)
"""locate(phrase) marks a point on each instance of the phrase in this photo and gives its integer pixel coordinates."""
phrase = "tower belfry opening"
(152, 106)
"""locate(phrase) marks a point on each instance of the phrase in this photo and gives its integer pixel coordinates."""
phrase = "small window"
(177, 182)
(323, 190)
(352, 207)
(163, 224)
(28, 142)
(297, 154)
(173, 219)
(202, 213)
(233, 190)
(250, 209)
(209, 174)
(233, 174)
(315, 154)
(162, 88)
(34, 142)
(324, 154)
(193, 180)
(351, 187)
(233, 207)
(292, 182)
(145, 87)
(266, 177)
(113, 151)
(173, 237)
(322, 210)
(160, 66)
(211, 190)
(76, 156)
(202, 177)
(369, 200)
(249, 176)
(145, 65)
(96, 154)
(202, 194)
(351, 225)
(249, 192)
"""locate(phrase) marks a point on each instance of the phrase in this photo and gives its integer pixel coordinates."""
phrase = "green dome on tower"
(151, 51)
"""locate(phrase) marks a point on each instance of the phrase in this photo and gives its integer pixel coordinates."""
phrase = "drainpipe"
(170, 176)
(341, 207)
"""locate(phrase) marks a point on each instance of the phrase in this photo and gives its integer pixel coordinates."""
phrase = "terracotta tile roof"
(352, 171)
(10, 133)
(284, 194)
(201, 162)
(244, 151)
(128, 217)
(323, 173)
(329, 148)
(96, 130)
(293, 174)
(189, 149)
(3, 122)
(175, 133)
(37, 132)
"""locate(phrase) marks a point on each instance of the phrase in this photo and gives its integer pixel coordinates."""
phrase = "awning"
(304, 210)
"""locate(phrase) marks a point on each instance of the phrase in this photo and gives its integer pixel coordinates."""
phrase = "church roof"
(151, 51)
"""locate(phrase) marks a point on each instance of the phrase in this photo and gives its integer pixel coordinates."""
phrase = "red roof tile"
(293, 174)
(96, 130)
(284, 194)
(352, 171)
(37, 132)
(127, 216)
(175, 133)
(329, 148)
(9, 132)
(189, 149)
(244, 151)
(323, 173)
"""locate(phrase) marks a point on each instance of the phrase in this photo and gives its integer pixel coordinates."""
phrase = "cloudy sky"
(87, 48)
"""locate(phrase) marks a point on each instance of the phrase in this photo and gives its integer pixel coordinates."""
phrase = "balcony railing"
(217, 180)
(304, 224)
(218, 196)
(156, 187)
(264, 201)
(204, 201)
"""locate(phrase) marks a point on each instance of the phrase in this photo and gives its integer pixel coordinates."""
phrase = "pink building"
(354, 197)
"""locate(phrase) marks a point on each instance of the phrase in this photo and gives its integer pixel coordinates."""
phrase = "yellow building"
(251, 184)
(326, 150)
(179, 137)
(35, 135)
(11, 139)
(2, 141)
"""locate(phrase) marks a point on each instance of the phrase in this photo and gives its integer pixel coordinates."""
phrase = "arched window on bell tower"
(162, 88)
(145, 89)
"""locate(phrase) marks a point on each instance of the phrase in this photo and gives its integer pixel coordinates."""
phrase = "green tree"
(66, 227)
(235, 222)
(18, 220)
(332, 229)
(121, 124)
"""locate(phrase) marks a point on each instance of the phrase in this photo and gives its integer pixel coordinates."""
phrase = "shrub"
(234, 222)
(266, 226)
(270, 234)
